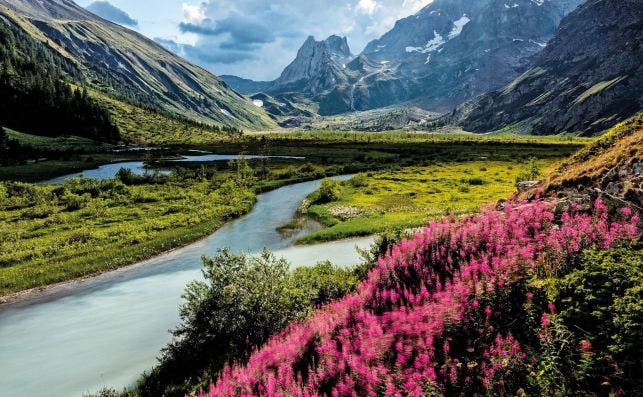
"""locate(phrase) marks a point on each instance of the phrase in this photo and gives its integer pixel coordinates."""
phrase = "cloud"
(107, 11)
(171, 45)
(224, 55)
(240, 29)
(367, 6)
(258, 38)
(193, 14)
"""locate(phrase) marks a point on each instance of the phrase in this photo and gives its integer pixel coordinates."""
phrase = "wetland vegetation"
(83, 227)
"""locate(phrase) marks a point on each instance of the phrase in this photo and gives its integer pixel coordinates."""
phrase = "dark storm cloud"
(240, 29)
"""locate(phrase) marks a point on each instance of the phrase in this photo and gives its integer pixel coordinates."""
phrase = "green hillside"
(125, 65)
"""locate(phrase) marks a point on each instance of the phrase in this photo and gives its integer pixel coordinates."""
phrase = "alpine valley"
(440, 198)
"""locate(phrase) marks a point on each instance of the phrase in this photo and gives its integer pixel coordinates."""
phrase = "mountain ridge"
(121, 62)
(440, 57)
(587, 79)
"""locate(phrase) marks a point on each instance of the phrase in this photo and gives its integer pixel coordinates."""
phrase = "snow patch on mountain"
(458, 26)
(438, 40)
(430, 46)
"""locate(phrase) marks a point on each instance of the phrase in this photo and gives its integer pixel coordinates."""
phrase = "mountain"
(449, 52)
(588, 78)
(123, 63)
(318, 67)
(318, 74)
(245, 86)
(454, 50)
(37, 98)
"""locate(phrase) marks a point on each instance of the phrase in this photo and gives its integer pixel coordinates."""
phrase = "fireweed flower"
(391, 337)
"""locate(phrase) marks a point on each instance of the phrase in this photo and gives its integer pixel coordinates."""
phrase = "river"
(107, 330)
(108, 171)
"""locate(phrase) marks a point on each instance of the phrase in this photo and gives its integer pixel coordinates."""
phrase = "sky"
(253, 38)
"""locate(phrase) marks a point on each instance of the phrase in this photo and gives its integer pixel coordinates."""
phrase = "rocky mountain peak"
(338, 46)
(316, 67)
(447, 53)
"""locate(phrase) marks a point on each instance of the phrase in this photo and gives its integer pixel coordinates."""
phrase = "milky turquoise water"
(107, 331)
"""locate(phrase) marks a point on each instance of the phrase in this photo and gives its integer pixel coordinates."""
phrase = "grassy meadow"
(53, 233)
(407, 197)
(84, 227)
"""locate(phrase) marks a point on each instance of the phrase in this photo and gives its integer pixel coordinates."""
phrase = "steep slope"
(316, 68)
(613, 165)
(454, 50)
(36, 97)
(588, 78)
(123, 63)
(318, 73)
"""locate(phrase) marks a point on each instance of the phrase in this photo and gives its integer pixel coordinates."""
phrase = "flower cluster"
(394, 336)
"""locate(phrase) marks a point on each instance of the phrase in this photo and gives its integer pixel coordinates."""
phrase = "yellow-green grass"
(54, 233)
(143, 126)
(61, 143)
(423, 137)
(412, 196)
(618, 147)
(51, 234)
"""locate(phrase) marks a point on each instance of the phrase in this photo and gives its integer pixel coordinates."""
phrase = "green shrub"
(476, 181)
(359, 180)
(74, 202)
(330, 190)
(324, 282)
(532, 172)
(38, 212)
(241, 303)
(602, 302)
(79, 237)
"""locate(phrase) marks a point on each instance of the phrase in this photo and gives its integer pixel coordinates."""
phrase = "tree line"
(36, 96)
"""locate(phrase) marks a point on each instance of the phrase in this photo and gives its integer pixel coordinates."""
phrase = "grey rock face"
(317, 67)
(588, 78)
(526, 185)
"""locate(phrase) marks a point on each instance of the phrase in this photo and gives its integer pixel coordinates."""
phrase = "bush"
(74, 202)
(602, 302)
(359, 180)
(128, 177)
(476, 181)
(38, 212)
(240, 304)
(532, 172)
(324, 282)
(330, 190)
